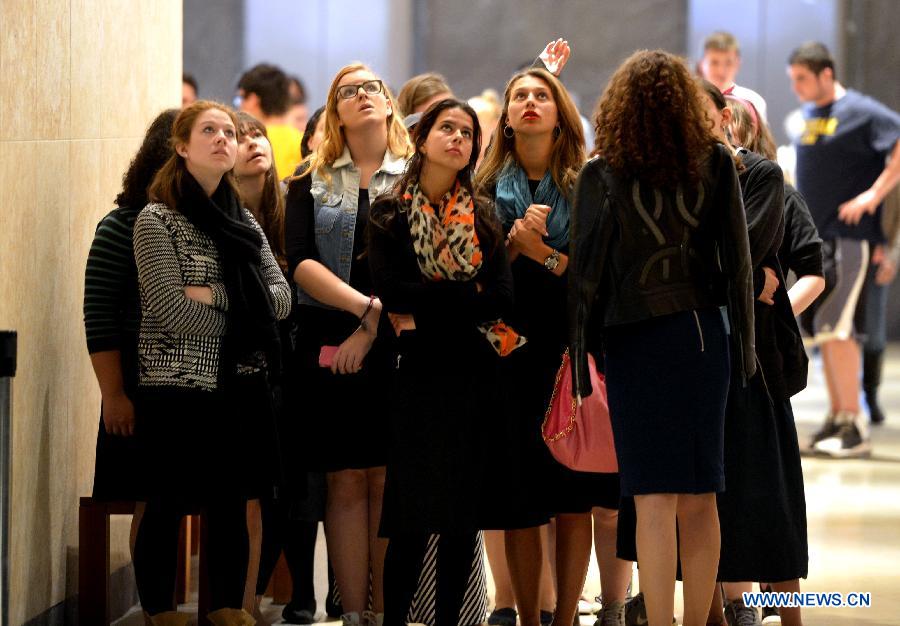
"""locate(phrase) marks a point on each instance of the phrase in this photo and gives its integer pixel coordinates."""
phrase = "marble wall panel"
(17, 68)
(80, 80)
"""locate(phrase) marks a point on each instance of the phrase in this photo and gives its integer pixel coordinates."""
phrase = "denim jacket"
(335, 207)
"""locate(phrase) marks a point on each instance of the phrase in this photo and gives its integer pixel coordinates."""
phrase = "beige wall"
(79, 82)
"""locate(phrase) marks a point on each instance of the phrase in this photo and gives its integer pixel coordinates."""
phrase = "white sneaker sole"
(860, 451)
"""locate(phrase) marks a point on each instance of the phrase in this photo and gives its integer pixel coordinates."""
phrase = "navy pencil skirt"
(667, 382)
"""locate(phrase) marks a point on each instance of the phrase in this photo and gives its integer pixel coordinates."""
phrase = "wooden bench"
(93, 558)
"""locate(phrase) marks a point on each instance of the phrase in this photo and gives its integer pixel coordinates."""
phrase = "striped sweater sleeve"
(161, 283)
(108, 282)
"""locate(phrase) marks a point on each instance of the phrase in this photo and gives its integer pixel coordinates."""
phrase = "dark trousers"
(298, 540)
(156, 553)
(403, 566)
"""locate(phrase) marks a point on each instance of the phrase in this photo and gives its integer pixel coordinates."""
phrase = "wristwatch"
(552, 261)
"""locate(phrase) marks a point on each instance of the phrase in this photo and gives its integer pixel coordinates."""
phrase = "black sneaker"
(851, 440)
(293, 614)
(770, 616)
(829, 428)
(503, 617)
(736, 614)
(636, 612)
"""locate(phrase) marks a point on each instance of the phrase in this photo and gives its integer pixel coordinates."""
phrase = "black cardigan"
(444, 311)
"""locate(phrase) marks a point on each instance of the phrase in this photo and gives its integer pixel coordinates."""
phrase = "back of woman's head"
(333, 140)
(748, 130)
(155, 150)
(166, 186)
(567, 153)
(310, 131)
(651, 123)
(420, 89)
(270, 214)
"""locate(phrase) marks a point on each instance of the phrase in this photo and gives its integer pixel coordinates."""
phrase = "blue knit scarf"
(513, 197)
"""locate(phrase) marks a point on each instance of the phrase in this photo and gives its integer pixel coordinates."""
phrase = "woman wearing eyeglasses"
(343, 369)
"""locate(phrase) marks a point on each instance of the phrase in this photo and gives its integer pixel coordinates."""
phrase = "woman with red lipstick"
(440, 268)
(342, 366)
(537, 151)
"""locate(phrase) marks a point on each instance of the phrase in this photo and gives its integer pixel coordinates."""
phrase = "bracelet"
(362, 318)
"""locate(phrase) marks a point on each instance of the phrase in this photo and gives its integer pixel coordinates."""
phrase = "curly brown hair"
(651, 123)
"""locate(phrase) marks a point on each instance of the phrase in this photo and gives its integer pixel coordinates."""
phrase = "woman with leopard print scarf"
(440, 269)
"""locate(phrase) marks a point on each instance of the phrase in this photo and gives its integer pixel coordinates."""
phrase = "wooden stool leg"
(203, 586)
(183, 572)
(93, 562)
(195, 534)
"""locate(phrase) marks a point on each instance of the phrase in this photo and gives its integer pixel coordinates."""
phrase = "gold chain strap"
(571, 425)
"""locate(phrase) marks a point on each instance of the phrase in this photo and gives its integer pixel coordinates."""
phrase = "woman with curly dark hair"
(659, 251)
(112, 311)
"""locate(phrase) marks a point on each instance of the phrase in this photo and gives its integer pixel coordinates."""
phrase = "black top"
(300, 232)
(779, 348)
(323, 326)
(444, 311)
(762, 188)
(801, 249)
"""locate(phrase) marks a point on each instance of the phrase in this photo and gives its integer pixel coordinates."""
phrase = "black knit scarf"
(252, 325)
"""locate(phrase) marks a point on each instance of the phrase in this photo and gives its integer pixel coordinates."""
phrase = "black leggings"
(298, 540)
(403, 566)
(156, 553)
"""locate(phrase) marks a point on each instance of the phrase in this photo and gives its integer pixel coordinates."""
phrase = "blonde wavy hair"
(333, 141)
(567, 155)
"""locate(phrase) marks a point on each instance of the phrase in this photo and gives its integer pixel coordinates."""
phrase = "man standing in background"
(264, 93)
(720, 64)
(841, 172)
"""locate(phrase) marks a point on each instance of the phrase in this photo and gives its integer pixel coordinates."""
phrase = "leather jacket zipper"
(699, 331)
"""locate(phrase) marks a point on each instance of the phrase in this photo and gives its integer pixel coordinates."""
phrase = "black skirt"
(118, 470)
(196, 446)
(667, 381)
(341, 419)
(762, 512)
(528, 485)
(444, 408)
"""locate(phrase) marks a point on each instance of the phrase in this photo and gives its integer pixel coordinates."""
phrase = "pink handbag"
(580, 437)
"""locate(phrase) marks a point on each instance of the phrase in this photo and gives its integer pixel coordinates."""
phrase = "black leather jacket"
(638, 252)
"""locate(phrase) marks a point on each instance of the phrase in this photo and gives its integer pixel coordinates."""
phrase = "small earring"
(510, 134)
(557, 131)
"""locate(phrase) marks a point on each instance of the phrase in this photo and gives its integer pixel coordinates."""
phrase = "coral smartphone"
(326, 355)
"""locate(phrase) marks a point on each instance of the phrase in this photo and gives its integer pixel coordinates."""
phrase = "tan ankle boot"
(231, 617)
(171, 618)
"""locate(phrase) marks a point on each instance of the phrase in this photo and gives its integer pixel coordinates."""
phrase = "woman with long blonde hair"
(342, 364)
(537, 150)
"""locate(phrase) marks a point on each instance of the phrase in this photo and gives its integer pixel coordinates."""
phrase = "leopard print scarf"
(447, 248)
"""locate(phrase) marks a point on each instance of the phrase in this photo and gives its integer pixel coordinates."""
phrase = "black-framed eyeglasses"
(371, 87)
